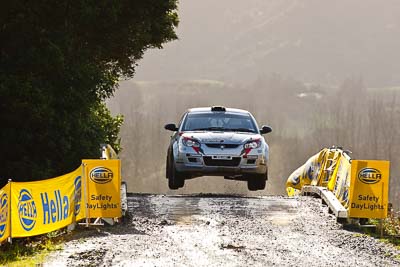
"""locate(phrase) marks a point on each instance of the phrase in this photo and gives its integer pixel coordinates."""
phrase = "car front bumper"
(217, 164)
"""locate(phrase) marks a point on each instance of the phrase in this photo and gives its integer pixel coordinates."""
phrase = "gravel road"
(217, 230)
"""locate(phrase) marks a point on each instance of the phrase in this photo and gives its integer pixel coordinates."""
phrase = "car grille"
(208, 161)
(225, 145)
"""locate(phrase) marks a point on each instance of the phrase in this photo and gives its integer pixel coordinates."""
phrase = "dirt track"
(224, 231)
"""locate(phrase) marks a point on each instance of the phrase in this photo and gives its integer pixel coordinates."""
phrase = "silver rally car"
(218, 141)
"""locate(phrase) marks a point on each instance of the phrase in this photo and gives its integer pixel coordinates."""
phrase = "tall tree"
(59, 60)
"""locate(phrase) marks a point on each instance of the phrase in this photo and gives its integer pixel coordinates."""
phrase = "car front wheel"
(175, 180)
(256, 182)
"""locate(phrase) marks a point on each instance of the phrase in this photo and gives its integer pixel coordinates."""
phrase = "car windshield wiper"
(211, 129)
(241, 130)
(225, 129)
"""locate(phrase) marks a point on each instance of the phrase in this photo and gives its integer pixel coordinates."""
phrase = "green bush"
(59, 62)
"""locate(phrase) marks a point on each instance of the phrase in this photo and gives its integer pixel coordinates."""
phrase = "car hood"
(222, 137)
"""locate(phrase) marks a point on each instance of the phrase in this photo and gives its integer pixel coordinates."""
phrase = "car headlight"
(190, 142)
(252, 144)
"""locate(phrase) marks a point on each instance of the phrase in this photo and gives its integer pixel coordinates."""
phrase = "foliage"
(29, 252)
(391, 227)
(59, 60)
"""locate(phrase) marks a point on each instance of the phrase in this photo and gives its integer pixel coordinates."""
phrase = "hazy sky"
(311, 40)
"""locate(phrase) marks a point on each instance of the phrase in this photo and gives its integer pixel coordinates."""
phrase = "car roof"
(208, 110)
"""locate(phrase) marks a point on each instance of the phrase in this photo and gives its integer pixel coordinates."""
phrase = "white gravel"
(224, 231)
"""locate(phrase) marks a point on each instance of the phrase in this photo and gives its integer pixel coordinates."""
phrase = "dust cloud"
(319, 73)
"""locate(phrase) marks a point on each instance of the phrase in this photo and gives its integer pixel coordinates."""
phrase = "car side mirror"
(265, 129)
(171, 127)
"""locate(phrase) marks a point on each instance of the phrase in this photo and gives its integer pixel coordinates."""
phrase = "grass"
(32, 251)
(391, 229)
(29, 251)
(391, 225)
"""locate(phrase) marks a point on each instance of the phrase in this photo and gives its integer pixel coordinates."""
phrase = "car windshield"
(219, 121)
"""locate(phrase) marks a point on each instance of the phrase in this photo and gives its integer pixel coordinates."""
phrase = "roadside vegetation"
(59, 62)
(29, 251)
(392, 226)
(387, 231)
(391, 229)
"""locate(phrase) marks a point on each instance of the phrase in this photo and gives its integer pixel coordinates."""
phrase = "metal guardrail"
(328, 197)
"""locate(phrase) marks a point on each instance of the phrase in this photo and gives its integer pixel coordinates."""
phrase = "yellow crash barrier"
(308, 174)
(45, 206)
(5, 216)
(369, 189)
(361, 186)
(103, 188)
(34, 208)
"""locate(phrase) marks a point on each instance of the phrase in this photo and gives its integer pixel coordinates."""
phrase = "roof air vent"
(218, 108)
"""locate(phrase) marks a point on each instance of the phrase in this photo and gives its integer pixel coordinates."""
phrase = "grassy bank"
(391, 229)
(29, 251)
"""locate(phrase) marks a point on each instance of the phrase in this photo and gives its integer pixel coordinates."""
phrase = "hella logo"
(101, 175)
(26, 210)
(369, 176)
(3, 214)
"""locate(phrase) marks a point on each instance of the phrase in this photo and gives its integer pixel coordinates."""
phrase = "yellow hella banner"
(103, 183)
(5, 213)
(44, 206)
(369, 189)
(342, 180)
(307, 174)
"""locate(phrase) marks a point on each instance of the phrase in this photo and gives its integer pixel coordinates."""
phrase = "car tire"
(175, 180)
(167, 168)
(257, 182)
(251, 185)
(261, 183)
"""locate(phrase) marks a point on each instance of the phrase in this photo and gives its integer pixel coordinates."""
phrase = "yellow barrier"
(34, 208)
(44, 206)
(103, 188)
(107, 152)
(308, 174)
(342, 180)
(369, 189)
(329, 168)
(5, 215)
(361, 186)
